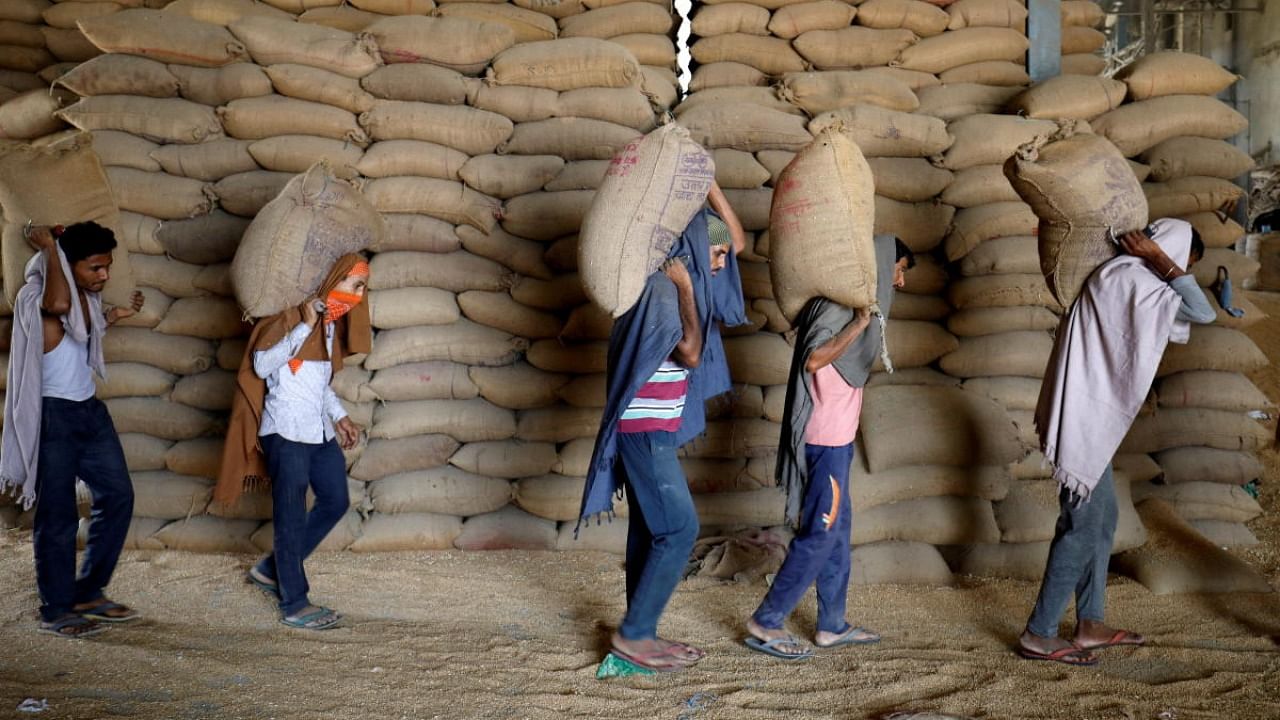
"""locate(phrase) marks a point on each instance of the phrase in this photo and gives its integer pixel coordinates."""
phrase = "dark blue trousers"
(78, 439)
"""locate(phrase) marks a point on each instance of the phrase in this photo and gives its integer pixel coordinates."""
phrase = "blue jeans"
(1078, 559)
(78, 439)
(293, 467)
(819, 553)
(662, 528)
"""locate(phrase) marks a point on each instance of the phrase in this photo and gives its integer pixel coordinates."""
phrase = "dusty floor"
(518, 635)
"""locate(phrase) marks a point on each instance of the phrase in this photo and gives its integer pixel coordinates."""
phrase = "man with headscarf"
(1105, 357)
(286, 428)
(56, 430)
(665, 360)
(835, 350)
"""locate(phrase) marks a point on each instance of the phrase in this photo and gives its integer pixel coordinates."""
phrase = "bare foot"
(652, 653)
(1093, 635)
(793, 647)
(1043, 645)
(684, 651)
(852, 636)
(1035, 647)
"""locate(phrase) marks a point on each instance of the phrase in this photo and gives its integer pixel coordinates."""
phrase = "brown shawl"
(243, 464)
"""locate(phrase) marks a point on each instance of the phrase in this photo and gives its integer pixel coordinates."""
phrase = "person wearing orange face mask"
(287, 426)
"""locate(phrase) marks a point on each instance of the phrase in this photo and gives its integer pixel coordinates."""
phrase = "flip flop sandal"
(646, 660)
(255, 578)
(1067, 656)
(698, 653)
(850, 637)
(770, 647)
(320, 619)
(72, 627)
(1122, 637)
(100, 612)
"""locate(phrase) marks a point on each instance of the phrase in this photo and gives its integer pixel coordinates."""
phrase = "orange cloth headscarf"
(243, 464)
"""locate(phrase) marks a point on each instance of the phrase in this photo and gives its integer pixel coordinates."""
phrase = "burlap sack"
(1216, 230)
(1084, 13)
(1020, 354)
(247, 193)
(159, 119)
(505, 458)
(387, 457)
(961, 47)
(1180, 157)
(745, 126)
(654, 188)
(949, 427)
(463, 342)
(528, 25)
(469, 130)
(937, 520)
(769, 55)
(294, 241)
(1078, 185)
(444, 199)
(712, 20)
(979, 185)
(867, 490)
(1193, 194)
(224, 12)
(411, 157)
(923, 19)
(505, 176)
(568, 137)
(407, 531)
(898, 563)
(976, 225)
(999, 73)
(167, 37)
(161, 418)
(1019, 254)
(1211, 389)
(132, 380)
(120, 75)
(297, 153)
(821, 227)
(726, 74)
(762, 96)
(159, 194)
(219, 86)
(849, 48)
(1208, 465)
(987, 139)
(907, 179)
(985, 321)
(1074, 97)
(819, 92)
(1083, 64)
(565, 65)
(956, 100)
(263, 117)
(1187, 427)
(323, 86)
(879, 132)
(210, 161)
(987, 13)
(517, 387)
(794, 20)
(1174, 73)
(498, 310)
(445, 490)
(1002, 290)
(1213, 348)
(554, 356)
(457, 43)
(921, 225)
(210, 390)
(507, 529)
(414, 82)
(1139, 126)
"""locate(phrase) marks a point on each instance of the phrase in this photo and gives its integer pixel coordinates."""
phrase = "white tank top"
(66, 371)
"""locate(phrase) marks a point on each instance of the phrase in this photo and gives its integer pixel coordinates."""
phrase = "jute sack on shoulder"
(294, 241)
(1078, 185)
(821, 227)
(654, 187)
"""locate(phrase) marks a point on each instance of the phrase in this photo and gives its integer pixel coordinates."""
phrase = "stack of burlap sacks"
(1197, 428)
(1081, 39)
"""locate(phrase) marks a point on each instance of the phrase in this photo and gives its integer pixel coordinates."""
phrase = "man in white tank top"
(76, 436)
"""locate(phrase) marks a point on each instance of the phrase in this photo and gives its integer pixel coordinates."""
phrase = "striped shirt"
(659, 404)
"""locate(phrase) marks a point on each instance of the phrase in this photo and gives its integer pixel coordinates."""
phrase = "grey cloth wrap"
(820, 321)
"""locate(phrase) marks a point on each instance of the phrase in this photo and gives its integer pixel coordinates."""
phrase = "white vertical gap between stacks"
(684, 8)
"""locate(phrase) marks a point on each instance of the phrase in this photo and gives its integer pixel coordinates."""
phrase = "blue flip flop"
(849, 637)
(262, 582)
(770, 647)
(319, 619)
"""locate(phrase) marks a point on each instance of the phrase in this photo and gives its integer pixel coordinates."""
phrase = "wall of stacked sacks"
(480, 131)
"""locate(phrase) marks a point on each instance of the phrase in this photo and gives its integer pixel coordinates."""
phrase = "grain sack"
(736, 438)
(69, 46)
(1224, 534)
(756, 508)
(1216, 230)
(618, 19)
(821, 227)
(223, 12)
(933, 520)
(554, 356)
(914, 344)
(1077, 39)
(411, 157)
(961, 47)
(446, 490)
(516, 253)
(819, 92)
(138, 235)
(1203, 501)
(1174, 73)
(296, 238)
(579, 175)
(948, 427)
(565, 64)
(987, 13)
(908, 179)
(987, 139)
(263, 117)
(161, 418)
(125, 150)
(920, 225)
(339, 538)
(209, 390)
(738, 169)
(30, 115)
(343, 18)
(979, 185)
(1014, 393)
(528, 25)
(769, 55)
(762, 96)
(498, 310)
(554, 497)
(953, 101)
(793, 20)
(518, 386)
(211, 161)
(1177, 559)
(562, 293)
(418, 83)
(759, 359)
(849, 48)
(918, 307)
(1211, 389)
(273, 41)
(158, 119)
(654, 188)
(927, 278)
(922, 18)
(1182, 156)
(659, 84)
(898, 563)
(143, 452)
(26, 59)
(1024, 353)
(469, 130)
(505, 176)
(167, 37)
(985, 321)
(1029, 513)
(1000, 291)
(208, 534)
(457, 43)
(1078, 186)
(218, 86)
(1083, 64)
(200, 457)
(178, 355)
(1140, 126)
(880, 132)
(589, 391)
(463, 342)
(132, 379)
(20, 81)
(387, 457)
(120, 75)
(1003, 256)
(1000, 73)
(310, 83)
(1069, 96)
(209, 318)
(569, 138)
(745, 126)
(1186, 195)
(455, 271)
(507, 529)
(519, 104)
(159, 194)
(1086, 13)
(463, 420)
(408, 531)
(588, 322)
(410, 306)
(726, 74)
(712, 20)
(1185, 427)
(506, 459)
(247, 193)
(610, 537)
(204, 240)
(976, 225)
(1208, 465)
(868, 490)
(443, 199)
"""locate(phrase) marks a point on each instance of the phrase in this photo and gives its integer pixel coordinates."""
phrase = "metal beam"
(1044, 30)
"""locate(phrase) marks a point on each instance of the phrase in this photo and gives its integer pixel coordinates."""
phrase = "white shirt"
(65, 371)
(299, 407)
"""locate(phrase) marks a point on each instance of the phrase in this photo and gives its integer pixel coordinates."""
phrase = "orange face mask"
(339, 303)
